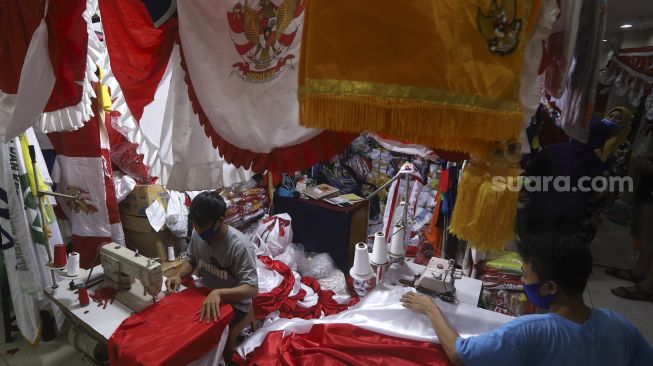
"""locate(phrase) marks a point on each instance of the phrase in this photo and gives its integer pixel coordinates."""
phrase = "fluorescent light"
(605, 40)
(624, 26)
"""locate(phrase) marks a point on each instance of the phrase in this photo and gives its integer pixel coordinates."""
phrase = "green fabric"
(507, 262)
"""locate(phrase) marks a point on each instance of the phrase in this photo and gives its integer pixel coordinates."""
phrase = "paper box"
(152, 245)
(141, 198)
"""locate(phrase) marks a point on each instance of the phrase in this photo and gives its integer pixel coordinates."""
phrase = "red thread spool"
(83, 296)
(59, 255)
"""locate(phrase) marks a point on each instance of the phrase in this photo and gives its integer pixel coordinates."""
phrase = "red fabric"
(87, 247)
(83, 143)
(124, 154)
(68, 46)
(139, 52)
(18, 21)
(168, 332)
(288, 307)
(343, 344)
(281, 160)
(639, 59)
(67, 43)
(269, 302)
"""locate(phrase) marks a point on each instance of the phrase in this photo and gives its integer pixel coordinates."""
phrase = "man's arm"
(238, 293)
(446, 335)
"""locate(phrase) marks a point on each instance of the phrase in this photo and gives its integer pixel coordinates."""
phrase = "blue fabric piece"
(607, 338)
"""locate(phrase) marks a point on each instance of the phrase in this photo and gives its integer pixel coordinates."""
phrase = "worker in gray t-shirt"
(224, 258)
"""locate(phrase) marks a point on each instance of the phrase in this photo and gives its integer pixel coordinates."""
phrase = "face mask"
(532, 292)
(208, 233)
(611, 124)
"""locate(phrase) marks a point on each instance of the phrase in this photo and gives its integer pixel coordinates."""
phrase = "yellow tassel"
(448, 127)
(485, 211)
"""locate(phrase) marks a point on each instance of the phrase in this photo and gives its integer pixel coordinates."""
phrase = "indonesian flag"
(379, 330)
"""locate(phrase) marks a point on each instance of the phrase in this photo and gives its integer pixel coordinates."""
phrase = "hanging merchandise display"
(458, 93)
(630, 71)
(23, 242)
(242, 79)
(461, 93)
(83, 169)
(577, 101)
(52, 63)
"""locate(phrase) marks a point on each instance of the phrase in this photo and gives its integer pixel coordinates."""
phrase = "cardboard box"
(138, 224)
(152, 245)
(141, 198)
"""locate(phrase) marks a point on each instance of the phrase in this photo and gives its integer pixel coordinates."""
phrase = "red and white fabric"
(284, 291)
(150, 94)
(83, 167)
(249, 107)
(47, 68)
(380, 312)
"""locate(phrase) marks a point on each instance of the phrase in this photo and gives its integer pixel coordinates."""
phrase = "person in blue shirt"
(555, 271)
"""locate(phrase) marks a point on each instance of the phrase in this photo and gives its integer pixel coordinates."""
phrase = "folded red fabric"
(168, 332)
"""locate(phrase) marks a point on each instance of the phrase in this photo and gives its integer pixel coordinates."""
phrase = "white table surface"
(103, 321)
(468, 290)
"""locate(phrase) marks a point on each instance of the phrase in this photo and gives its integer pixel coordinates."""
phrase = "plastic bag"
(273, 235)
(177, 214)
(319, 266)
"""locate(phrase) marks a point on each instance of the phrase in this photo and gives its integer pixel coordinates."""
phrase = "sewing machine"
(121, 265)
(438, 278)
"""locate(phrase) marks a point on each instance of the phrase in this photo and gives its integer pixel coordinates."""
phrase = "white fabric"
(530, 91)
(382, 312)
(18, 250)
(258, 116)
(20, 111)
(123, 184)
(405, 148)
(83, 175)
(267, 278)
(74, 117)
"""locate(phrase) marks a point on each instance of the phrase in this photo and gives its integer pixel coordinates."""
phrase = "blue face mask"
(209, 233)
(612, 125)
(532, 292)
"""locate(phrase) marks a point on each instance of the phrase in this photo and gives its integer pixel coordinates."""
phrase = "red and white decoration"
(630, 71)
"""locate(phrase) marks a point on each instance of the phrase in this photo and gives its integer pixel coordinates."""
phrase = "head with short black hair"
(553, 257)
(206, 209)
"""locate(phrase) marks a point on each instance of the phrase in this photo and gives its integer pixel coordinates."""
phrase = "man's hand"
(210, 311)
(173, 283)
(418, 302)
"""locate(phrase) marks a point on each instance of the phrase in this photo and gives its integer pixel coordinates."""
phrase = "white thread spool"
(380, 250)
(361, 269)
(397, 243)
(72, 269)
(171, 253)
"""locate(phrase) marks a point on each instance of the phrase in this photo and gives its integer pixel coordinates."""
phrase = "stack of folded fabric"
(244, 206)
(503, 287)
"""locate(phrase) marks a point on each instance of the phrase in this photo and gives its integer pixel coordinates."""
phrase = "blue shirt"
(607, 338)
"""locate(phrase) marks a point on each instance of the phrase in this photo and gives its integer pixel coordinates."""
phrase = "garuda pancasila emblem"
(262, 35)
(500, 26)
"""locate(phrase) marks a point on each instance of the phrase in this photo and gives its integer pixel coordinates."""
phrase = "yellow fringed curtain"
(442, 73)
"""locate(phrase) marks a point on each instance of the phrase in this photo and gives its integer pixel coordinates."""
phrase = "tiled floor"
(612, 247)
(55, 353)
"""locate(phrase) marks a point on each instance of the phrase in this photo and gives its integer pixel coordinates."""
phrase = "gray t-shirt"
(228, 263)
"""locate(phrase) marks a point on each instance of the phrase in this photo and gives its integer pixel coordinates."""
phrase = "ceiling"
(639, 13)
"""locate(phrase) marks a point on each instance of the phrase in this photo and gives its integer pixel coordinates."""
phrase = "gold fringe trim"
(435, 125)
(485, 213)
